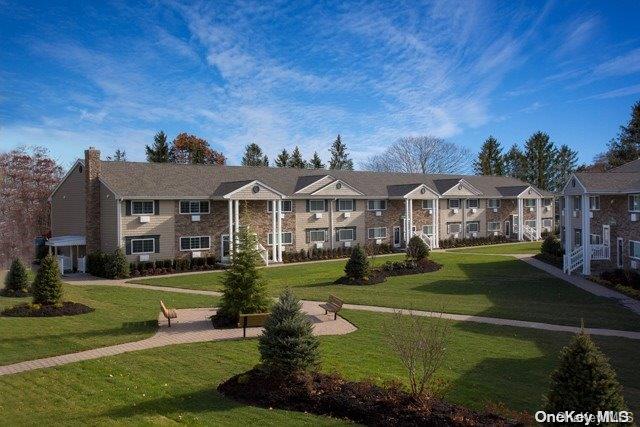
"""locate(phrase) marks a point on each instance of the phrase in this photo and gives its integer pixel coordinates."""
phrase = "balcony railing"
(573, 261)
(599, 252)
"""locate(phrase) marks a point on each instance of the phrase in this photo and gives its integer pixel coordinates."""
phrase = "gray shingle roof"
(633, 166)
(610, 182)
(167, 180)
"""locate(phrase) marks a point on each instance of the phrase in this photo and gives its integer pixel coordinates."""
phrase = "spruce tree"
(316, 162)
(47, 286)
(159, 151)
(296, 160)
(287, 344)
(358, 264)
(243, 286)
(117, 266)
(490, 159)
(17, 280)
(253, 156)
(339, 157)
(564, 164)
(515, 163)
(283, 159)
(626, 147)
(540, 154)
(417, 249)
(584, 381)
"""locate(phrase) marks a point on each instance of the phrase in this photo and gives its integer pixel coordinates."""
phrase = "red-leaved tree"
(188, 148)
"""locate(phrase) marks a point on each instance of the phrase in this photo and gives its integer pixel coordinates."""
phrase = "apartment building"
(163, 211)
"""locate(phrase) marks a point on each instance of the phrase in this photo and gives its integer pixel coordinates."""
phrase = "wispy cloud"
(628, 63)
(577, 33)
(617, 93)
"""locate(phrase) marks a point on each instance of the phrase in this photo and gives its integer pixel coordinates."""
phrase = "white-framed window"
(143, 207)
(530, 203)
(427, 204)
(195, 243)
(194, 207)
(595, 239)
(634, 203)
(346, 234)
(594, 203)
(287, 206)
(317, 235)
(577, 237)
(143, 246)
(286, 236)
(530, 223)
(428, 230)
(547, 223)
(493, 203)
(453, 203)
(634, 249)
(473, 227)
(377, 232)
(493, 226)
(453, 227)
(316, 205)
(345, 205)
(376, 205)
(547, 201)
(473, 203)
(577, 203)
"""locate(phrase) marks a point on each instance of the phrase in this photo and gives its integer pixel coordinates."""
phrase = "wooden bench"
(333, 305)
(169, 313)
(253, 320)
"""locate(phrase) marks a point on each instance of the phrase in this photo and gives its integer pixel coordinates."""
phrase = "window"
(577, 203)
(634, 203)
(594, 203)
(287, 206)
(427, 204)
(316, 205)
(473, 203)
(377, 233)
(143, 207)
(595, 239)
(286, 236)
(428, 230)
(530, 203)
(634, 249)
(346, 234)
(530, 223)
(453, 227)
(376, 205)
(317, 235)
(345, 205)
(194, 207)
(577, 237)
(453, 203)
(143, 246)
(493, 203)
(547, 223)
(546, 202)
(473, 227)
(195, 243)
(493, 226)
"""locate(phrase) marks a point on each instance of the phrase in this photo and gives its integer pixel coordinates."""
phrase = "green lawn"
(509, 248)
(493, 286)
(121, 315)
(483, 364)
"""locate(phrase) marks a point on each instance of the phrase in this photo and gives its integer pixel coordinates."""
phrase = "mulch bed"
(67, 308)
(392, 268)
(359, 401)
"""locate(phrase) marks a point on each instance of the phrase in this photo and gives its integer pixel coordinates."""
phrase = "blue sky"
(111, 74)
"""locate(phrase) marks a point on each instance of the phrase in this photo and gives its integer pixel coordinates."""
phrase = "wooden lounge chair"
(169, 313)
(253, 320)
(332, 306)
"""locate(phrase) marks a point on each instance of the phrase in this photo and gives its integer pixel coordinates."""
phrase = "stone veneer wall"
(616, 208)
(391, 217)
(254, 214)
(92, 168)
(213, 224)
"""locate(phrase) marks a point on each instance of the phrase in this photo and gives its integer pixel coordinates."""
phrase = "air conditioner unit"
(144, 219)
(346, 214)
(634, 217)
(347, 244)
(474, 234)
(495, 210)
(474, 210)
(454, 210)
(531, 209)
(318, 215)
(455, 235)
(143, 257)
(429, 211)
(378, 241)
(575, 214)
(196, 254)
(634, 264)
(319, 245)
(378, 213)
(195, 218)
(495, 233)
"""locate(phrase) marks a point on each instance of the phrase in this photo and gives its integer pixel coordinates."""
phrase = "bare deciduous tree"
(421, 154)
(420, 344)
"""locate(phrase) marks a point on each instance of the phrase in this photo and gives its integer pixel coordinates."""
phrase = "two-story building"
(162, 211)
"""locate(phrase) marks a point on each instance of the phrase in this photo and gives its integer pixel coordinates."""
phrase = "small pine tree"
(339, 157)
(296, 160)
(316, 162)
(552, 246)
(287, 343)
(117, 265)
(159, 151)
(358, 265)
(417, 249)
(282, 160)
(47, 286)
(17, 280)
(584, 381)
(243, 285)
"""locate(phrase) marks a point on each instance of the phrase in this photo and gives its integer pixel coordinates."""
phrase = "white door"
(397, 237)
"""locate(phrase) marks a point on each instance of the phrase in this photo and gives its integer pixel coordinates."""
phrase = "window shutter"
(326, 205)
(307, 234)
(156, 207)
(308, 208)
(337, 205)
(127, 205)
(127, 244)
(157, 243)
(355, 207)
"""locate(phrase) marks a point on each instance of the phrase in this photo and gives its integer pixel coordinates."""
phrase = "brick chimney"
(92, 198)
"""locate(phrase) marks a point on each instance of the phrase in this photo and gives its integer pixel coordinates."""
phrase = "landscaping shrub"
(474, 241)
(116, 266)
(417, 249)
(358, 265)
(97, 264)
(552, 246)
(47, 286)
(17, 281)
(288, 344)
(584, 381)
(622, 277)
(314, 254)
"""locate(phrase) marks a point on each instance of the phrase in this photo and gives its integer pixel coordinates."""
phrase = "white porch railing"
(529, 233)
(599, 252)
(82, 263)
(573, 261)
(429, 240)
(264, 253)
(64, 263)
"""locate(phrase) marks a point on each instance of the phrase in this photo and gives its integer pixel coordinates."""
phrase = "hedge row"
(473, 241)
(170, 266)
(335, 253)
(108, 265)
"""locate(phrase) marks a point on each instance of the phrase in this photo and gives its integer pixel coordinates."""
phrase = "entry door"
(224, 247)
(516, 223)
(397, 237)
(620, 247)
(507, 228)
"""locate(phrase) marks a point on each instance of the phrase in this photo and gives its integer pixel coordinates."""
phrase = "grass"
(484, 363)
(121, 315)
(509, 248)
(493, 286)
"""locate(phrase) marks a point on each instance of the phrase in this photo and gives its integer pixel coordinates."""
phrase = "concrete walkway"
(87, 280)
(192, 326)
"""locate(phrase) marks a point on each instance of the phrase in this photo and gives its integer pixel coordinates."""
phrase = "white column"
(520, 219)
(463, 209)
(331, 229)
(230, 228)
(437, 220)
(406, 221)
(586, 236)
(279, 229)
(538, 218)
(237, 217)
(410, 219)
(274, 232)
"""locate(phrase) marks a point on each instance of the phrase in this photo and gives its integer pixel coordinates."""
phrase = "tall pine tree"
(490, 159)
(626, 147)
(564, 164)
(159, 151)
(540, 152)
(296, 160)
(283, 159)
(253, 156)
(316, 162)
(339, 157)
(515, 163)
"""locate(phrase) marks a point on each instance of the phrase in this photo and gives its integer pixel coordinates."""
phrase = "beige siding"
(321, 182)
(446, 215)
(355, 219)
(248, 194)
(332, 191)
(306, 220)
(108, 220)
(68, 215)
(162, 225)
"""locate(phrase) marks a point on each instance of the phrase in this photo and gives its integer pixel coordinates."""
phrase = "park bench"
(253, 320)
(333, 305)
(168, 313)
